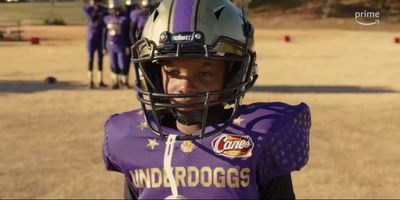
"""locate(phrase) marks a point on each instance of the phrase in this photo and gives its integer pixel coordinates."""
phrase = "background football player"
(192, 138)
(94, 13)
(138, 18)
(117, 43)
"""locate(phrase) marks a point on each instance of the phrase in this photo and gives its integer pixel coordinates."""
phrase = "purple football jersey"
(117, 32)
(266, 140)
(138, 17)
(94, 17)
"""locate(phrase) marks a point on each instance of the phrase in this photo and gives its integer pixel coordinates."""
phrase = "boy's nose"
(186, 87)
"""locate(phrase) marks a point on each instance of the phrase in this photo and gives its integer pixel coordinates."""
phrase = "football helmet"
(194, 29)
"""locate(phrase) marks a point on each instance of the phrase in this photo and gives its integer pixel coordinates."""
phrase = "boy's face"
(189, 76)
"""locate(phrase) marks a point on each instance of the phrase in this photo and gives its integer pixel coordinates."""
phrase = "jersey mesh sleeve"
(109, 163)
(288, 147)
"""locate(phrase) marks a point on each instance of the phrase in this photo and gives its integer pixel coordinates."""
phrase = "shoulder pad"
(116, 129)
(121, 123)
(283, 131)
(289, 143)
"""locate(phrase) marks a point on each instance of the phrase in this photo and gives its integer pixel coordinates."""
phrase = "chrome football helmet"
(194, 29)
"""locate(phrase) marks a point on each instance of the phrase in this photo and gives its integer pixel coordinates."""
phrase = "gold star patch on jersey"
(142, 125)
(238, 120)
(152, 144)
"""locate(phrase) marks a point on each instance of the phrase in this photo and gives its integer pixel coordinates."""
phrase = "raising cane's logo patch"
(233, 146)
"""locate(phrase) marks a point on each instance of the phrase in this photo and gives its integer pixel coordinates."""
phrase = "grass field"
(51, 135)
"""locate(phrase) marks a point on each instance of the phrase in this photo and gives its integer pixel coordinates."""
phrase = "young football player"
(192, 138)
(117, 43)
(94, 13)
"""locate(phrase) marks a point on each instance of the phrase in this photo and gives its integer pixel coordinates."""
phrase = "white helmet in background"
(146, 3)
(131, 2)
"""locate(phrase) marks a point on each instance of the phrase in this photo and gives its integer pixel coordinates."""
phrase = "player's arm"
(86, 13)
(280, 187)
(91, 16)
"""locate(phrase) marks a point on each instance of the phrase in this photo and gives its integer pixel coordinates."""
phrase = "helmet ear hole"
(233, 78)
(233, 74)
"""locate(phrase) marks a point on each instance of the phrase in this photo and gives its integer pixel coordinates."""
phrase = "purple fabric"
(92, 48)
(138, 17)
(183, 16)
(95, 24)
(118, 60)
(117, 32)
(280, 144)
(94, 19)
(117, 40)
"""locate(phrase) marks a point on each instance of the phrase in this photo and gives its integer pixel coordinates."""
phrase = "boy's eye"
(172, 73)
(204, 74)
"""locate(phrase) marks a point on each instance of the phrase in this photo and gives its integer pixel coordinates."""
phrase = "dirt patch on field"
(55, 32)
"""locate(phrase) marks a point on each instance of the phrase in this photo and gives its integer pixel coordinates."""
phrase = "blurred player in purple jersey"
(137, 15)
(192, 137)
(117, 43)
(129, 6)
(138, 18)
(94, 13)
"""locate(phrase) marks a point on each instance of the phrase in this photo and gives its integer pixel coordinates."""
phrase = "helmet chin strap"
(169, 150)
